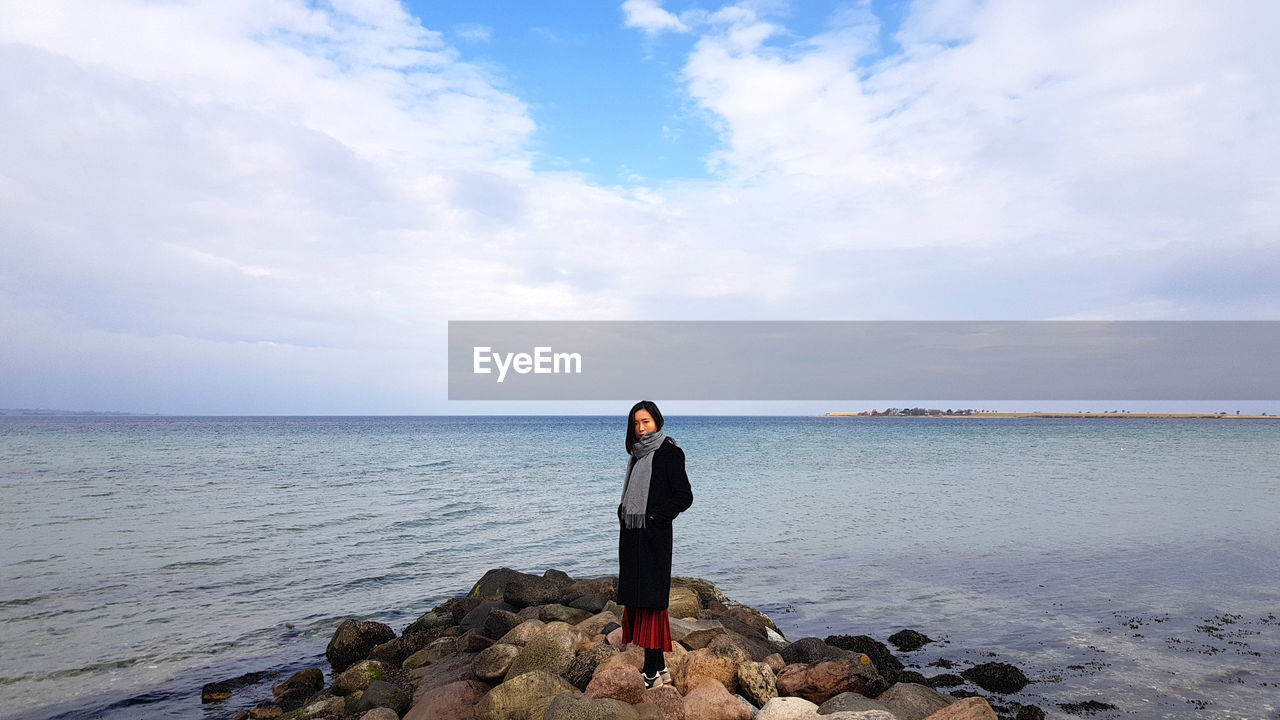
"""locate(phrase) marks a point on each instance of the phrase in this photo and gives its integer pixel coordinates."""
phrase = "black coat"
(644, 554)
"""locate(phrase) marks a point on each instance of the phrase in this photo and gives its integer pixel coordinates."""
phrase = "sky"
(276, 206)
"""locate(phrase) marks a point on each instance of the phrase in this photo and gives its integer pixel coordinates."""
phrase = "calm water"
(144, 557)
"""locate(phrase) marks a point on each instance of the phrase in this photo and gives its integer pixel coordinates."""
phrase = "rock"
(493, 662)
(851, 702)
(323, 705)
(1029, 712)
(380, 713)
(591, 602)
(223, 689)
(910, 701)
(382, 694)
(479, 615)
(696, 634)
(450, 613)
(905, 676)
(776, 662)
(562, 613)
(471, 642)
(632, 657)
(433, 653)
(757, 683)
(708, 594)
(530, 613)
(623, 684)
(520, 634)
(493, 584)
(358, 677)
(750, 617)
(787, 708)
(353, 641)
(711, 701)
(997, 677)
(822, 681)
(525, 590)
(861, 715)
(266, 711)
(295, 698)
(615, 608)
(614, 637)
(606, 587)
(713, 663)
(750, 708)
(311, 679)
(808, 650)
(583, 667)
(754, 641)
(668, 700)
(683, 602)
(944, 680)
(551, 652)
(909, 640)
(522, 697)
(869, 646)
(455, 701)
(974, 708)
(449, 669)
(597, 623)
(499, 622)
(567, 706)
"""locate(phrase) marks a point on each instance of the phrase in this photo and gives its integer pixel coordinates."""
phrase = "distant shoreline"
(1073, 415)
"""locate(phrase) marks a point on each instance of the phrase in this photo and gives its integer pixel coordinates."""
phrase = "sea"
(1132, 564)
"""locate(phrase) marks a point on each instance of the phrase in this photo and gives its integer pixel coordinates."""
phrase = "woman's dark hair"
(631, 420)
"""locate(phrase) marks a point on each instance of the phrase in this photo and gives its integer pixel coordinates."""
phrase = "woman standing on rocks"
(656, 490)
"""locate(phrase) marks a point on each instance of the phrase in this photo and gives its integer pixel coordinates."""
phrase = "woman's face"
(644, 423)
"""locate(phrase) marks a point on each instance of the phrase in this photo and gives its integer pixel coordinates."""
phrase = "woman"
(656, 490)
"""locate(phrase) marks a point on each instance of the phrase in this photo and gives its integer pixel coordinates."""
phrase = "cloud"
(474, 32)
(649, 16)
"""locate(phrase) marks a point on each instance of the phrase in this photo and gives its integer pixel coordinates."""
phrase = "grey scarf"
(635, 490)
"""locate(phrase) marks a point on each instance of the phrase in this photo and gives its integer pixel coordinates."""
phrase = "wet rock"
(310, 678)
(499, 622)
(974, 708)
(944, 680)
(668, 700)
(583, 667)
(455, 701)
(493, 583)
(353, 641)
(430, 620)
(1088, 706)
(808, 650)
(819, 682)
(493, 662)
(522, 697)
(551, 652)
(291, 700)
(683, 603)
(1029, 712)
(266, 711)
(997, 677)
(711, 701)
(909, 640)
(905, 676)
(382, 694)
(223, 689)
(591, 602)
(910, 701)
(850, 702)
(787, 708)
(358, 677)
(869, 646)
(757, 683)
(623, 684)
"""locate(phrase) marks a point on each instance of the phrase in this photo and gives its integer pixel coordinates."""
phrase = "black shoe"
(652, 682)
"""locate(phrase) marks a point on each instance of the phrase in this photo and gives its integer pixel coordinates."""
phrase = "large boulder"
(358, 677)
(310, 679)
(499, 622)
(449, 669)
(695, 634)
(756, 682)
(478, 617)
(709, 596)
(683, 603)
(809, 650)
(974, 708)
(717, 663)
(449, 613)
(551, 652)
(493, 584)
(851, 702)
(591, 602)
(909, 640)
(595, 624)
(910, 701)
(567, 706)
(869, 646)
(709, 700)
(382, 694)
(522, 633)
(584, 665)
(525, 590)
(563, 613)
(524, 697)
(997, 677)
(493, 662)
(606, 587)
(432, 653)
(668, 700)
(819, 682)
(455, 701)
(623, 684)
(787, 708)
(354, 640)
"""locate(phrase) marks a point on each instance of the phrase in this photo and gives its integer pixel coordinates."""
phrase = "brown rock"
(522, 697)
(563, 613)
(358, 677)
(631, 657)
(550, 651)
(594, 625)
(697, 634)
(266, 711)
(449, 670)
(787, 708)
(974, 708)
(310, 679)
(455, 701)
(615, 637)
(353, 641)
(709, 700)
(776, 662)
(756, 682)
(433, 653)
(668, 700)
(493, 662)
(623, 684)
(521, 633)
(683, 603)
(606, 586)
(471, 642)
(713, 663)
(567, 706)
(910, 701)
(822, 681)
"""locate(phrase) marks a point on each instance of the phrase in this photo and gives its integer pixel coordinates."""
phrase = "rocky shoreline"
(523, 646)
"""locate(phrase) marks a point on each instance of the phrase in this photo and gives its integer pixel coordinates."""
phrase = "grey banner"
(864, 360)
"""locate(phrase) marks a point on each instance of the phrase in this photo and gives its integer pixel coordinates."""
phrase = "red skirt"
(647, 627)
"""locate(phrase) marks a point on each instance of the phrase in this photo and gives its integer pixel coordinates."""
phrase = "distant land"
(1114, 414)
(8, 412)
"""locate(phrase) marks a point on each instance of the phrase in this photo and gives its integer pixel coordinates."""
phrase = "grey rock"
(910, 701)
(583, 667)
(997, 677)
(869, 646)
(809, 650)
(592, 603)
(478, 616)
(850, 702)
(354, 640)
(909, 640)
(383, 694)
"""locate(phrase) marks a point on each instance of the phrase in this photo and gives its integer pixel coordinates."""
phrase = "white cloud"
(474, 32)
(649, 16)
